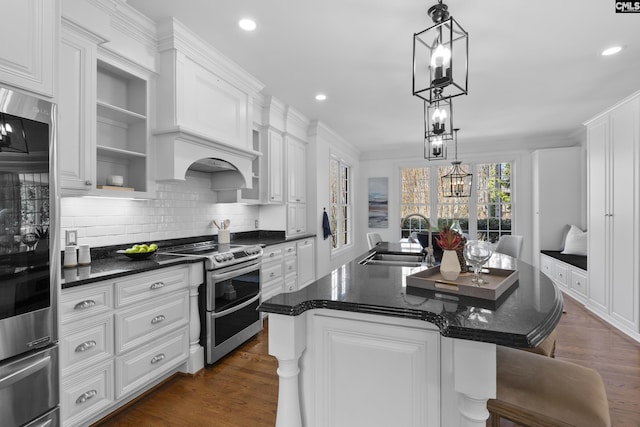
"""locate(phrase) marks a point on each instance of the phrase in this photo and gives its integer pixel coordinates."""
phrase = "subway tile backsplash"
(180, 209)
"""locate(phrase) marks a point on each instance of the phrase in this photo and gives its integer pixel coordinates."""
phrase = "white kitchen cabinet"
(569, 278)
(271, 271)
(296, 218)
(76, 112)
(274, 147)
(103, 122)
(290, 268)
(557, 196)
(350, 387)
(306, 259)
(296, 152)
(30, 43)
(121, 336)
(613, 140)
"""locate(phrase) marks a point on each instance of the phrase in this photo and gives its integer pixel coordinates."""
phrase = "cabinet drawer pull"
(157, 285)
(84, 304)
(289, 249)
(88, 182)
(272, 254)
(290, 267)
(86, 346)
(86, 396)
(157, 358)
(272, 274)
(157, 319)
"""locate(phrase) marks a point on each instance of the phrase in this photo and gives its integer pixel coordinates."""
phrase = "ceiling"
(535, 69)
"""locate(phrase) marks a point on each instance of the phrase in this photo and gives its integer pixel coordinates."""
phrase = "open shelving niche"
(121, 132)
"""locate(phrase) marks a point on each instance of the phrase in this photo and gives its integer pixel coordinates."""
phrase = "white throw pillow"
(576, 242)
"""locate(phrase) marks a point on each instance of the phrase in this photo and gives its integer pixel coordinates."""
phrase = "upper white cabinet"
(274, 160)
(296, 170)
(613, 216)
(76, 111)
(559, 169)
(30, 44)
(104, 101)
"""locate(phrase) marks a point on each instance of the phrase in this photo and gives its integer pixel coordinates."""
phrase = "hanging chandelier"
(440, 57)
(438, 128)
(457, 182)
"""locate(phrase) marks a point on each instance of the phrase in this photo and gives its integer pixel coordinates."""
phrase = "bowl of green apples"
(138, 252)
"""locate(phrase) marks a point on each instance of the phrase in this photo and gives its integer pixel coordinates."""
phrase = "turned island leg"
(474, 380)
(287, 341)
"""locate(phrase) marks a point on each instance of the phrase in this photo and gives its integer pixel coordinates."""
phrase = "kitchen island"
(360, 348)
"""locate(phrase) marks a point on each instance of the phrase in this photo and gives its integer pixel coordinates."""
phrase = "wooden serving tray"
(499, 280)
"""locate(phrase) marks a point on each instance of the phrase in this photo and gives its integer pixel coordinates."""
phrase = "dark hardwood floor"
(241, 389)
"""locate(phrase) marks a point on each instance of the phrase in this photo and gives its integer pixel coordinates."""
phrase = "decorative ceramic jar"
(450, 266)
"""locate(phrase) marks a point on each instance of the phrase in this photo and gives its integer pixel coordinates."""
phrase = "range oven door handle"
(219, 277)
(236, 308)
(24, 371)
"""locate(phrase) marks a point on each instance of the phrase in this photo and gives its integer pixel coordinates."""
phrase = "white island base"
(339, 368)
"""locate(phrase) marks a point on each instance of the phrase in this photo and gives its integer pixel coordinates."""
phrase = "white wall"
(181, 209)
(323, 143)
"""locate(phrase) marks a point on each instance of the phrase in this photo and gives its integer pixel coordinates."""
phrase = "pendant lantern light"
(457, 182)
(438, 128)
(440, 57)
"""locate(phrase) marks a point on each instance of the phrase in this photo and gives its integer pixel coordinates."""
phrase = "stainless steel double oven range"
(230, 295)
(29, 390)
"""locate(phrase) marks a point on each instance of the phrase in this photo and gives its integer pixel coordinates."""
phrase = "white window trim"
(341, 249)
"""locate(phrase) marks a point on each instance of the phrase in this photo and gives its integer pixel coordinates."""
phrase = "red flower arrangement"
(449, 239)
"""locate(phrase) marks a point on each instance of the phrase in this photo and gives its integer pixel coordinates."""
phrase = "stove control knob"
(218, 258)
(228, 256)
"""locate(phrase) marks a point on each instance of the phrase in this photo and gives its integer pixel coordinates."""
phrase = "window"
(414, 203)
(340, 203)
(493, 200)
(422, 201)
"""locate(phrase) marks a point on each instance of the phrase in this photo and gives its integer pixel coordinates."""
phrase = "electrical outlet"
(70, 237)
(256, 224)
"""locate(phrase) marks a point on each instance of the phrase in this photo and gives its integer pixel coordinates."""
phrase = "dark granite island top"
(523, 317)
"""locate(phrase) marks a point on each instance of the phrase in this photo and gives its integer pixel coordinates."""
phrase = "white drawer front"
(148, 363)
(141, 287)
(290, 266)
(291, 284)
(561, 274)
(146, 322)
(579, 282)
(85, 301)
(82, 344)
(273, 272)
(87, 393)
(271, 254)
(290, 250)
(546, 266)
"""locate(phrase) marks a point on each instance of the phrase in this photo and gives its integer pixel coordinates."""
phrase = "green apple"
(153, 247)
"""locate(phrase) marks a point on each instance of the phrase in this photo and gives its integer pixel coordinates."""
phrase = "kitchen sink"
(401, 260)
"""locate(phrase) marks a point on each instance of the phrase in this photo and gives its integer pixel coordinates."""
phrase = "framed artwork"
(378, 202)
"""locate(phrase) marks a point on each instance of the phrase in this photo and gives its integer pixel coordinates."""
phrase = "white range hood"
(179, 150)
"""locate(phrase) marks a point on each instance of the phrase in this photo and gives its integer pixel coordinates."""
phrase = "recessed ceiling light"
(611, 51)
(321, 97)
(247, 24)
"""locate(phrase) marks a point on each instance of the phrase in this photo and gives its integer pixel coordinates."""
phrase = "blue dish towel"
(326, 226)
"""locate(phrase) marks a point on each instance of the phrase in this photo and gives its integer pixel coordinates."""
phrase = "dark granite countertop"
(523, 317)
(107, 264)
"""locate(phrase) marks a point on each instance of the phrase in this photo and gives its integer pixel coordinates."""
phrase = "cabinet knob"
(157, 358)
(157, 319)
(86, 396)
(157, 285)
(272, 254)
(84, 304)
(85, 346)
(88, 182)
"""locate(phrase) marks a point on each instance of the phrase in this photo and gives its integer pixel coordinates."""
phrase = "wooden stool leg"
(495, 420)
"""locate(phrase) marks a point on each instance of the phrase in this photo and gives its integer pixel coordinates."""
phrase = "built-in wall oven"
(230, 296)
(29, 390)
